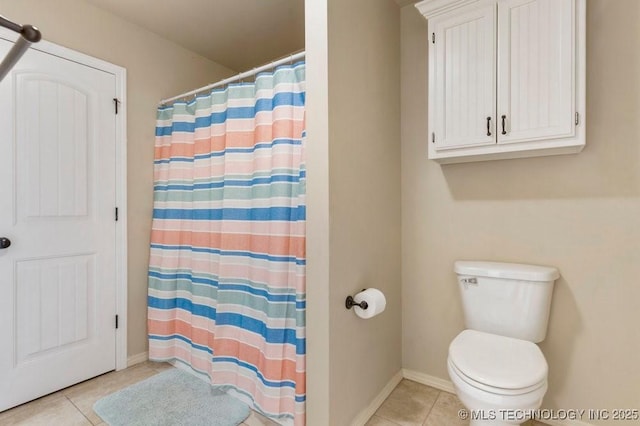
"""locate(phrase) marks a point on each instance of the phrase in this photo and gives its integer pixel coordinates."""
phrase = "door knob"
(4, 243)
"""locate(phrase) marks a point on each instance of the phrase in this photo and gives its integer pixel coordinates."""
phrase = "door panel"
(54, 299)
(465, 78)
(57, 200)
(536, 69)
(55, 166)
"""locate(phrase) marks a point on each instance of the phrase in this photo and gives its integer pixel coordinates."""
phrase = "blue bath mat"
(171, 398)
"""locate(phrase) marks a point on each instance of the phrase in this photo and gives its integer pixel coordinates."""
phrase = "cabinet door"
(536, 70)
(463, 78)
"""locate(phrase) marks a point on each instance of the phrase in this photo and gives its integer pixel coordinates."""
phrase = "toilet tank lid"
(511, 271)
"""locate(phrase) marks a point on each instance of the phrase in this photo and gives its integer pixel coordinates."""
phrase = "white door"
(536, 70)
(57, 200)
(463, 110)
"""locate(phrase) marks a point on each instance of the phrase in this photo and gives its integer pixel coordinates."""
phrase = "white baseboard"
(447, 386)
(363, 417)
(137, 358)
(425, 379)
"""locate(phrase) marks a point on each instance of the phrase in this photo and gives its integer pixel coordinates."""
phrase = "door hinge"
(117, 214)
(116, 103)
(577, 118)
(116, 321)
(433, 38)
(433, 137)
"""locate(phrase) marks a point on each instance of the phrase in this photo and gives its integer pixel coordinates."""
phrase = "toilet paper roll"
(374, 298)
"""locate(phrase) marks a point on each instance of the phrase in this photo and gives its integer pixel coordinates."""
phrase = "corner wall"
(156, 69)
(317, 198)
(353, 203)
(580, 213)
(364, 198)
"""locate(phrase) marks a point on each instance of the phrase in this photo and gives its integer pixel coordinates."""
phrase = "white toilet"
(497, 370)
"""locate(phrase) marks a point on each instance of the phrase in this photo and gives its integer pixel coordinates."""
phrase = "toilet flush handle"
(469, 281)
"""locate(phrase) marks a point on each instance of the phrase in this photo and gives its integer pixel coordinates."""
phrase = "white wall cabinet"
(506, 78)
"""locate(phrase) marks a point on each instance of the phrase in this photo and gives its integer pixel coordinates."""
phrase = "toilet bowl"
(500, 380)
(498, 371)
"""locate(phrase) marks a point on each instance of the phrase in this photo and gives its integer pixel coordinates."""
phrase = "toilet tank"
(508, 299)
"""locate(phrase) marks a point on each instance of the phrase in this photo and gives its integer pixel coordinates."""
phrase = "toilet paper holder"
(350, 303)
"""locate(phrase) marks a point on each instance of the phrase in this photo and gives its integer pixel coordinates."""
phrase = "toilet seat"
(497, 364)
(491, 389)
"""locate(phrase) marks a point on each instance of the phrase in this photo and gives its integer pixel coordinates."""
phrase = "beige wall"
(317, 159)
(353, 223)
(580, 213)
(156, 69)
(364, 198)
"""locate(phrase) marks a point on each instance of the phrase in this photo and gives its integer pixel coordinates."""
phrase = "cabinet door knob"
(4, 242)
(504, 130)
(488, 126)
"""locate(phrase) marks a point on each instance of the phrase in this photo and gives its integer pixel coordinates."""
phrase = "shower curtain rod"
(237, 77)
(28, 35)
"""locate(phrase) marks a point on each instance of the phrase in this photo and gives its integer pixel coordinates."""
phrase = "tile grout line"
(435, 401)
(385, 419)
(79, 410)
(422, 422)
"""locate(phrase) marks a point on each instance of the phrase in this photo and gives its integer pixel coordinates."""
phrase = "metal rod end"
(31, 33)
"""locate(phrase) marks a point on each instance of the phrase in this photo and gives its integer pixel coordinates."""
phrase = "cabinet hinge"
(577, 118)
(116, 103)
(433, 38)
(116, 321)
(433, 138)
(117, 214)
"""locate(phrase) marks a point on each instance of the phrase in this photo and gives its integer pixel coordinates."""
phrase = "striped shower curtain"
(227, 268)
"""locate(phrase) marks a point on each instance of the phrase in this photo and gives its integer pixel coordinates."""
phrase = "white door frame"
(120, 74)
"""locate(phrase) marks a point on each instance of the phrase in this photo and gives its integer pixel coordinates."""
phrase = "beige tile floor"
(73, 406)
(414, 404)
(410, 404)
